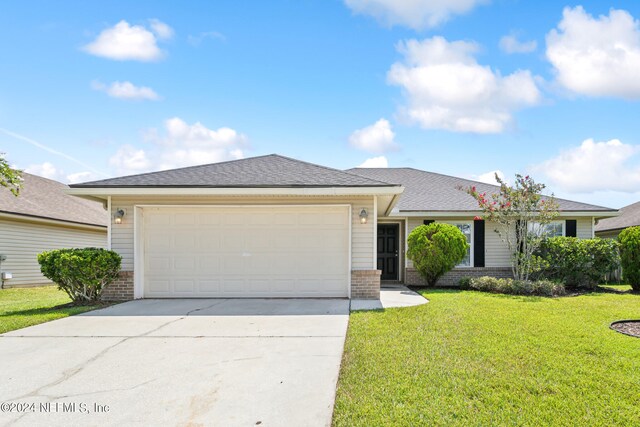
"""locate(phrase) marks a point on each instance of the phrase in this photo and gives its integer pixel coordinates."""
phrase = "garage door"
(289, 251)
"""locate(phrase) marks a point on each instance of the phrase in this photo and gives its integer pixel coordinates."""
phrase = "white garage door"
(289, 251)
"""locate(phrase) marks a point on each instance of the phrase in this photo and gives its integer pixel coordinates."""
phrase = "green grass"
(473, 359)
(22, 307)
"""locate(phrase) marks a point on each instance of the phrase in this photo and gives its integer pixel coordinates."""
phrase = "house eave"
(50, 221)
(104, 192)
(564, 214)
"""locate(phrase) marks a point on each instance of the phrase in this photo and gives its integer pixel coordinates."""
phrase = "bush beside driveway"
(469, 358)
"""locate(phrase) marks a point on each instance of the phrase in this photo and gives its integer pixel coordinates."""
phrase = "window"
(553, 229)
(466, 229)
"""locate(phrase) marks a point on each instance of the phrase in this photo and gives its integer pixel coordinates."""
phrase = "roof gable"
(629, 217)
(434, 192)
(45, 198)
(265, 171)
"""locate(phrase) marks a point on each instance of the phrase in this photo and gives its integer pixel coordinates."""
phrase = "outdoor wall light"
(363, 216)
(118, 216)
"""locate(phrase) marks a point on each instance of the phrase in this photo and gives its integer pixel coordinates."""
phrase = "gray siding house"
(44, 217)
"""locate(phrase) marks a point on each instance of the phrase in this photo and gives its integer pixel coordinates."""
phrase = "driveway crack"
(72, 372)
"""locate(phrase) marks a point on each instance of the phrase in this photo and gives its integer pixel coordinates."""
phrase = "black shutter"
(518, 232)
(571, 228)
(478, 243)
(428, 221)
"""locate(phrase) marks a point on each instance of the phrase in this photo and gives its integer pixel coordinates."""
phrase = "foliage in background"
(9, 178)
(522, 214)
(578, 263)
(81, 273)
(435, 249)
(545, 288)
(630, 256)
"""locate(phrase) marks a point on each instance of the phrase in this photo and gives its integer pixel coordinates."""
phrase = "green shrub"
(577, 262)
(435, 249)
(81, 273)
(630, 256)
(513, 287)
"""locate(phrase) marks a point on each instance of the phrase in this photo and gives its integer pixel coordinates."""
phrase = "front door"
(388, 241)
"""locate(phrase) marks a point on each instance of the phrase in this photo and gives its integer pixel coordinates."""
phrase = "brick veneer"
(365, 284)
(451, 278)
(120, 289)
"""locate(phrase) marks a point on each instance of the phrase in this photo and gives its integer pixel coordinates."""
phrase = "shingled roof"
(265, 171)
(434, 192)
(45, 198)
(629, 217)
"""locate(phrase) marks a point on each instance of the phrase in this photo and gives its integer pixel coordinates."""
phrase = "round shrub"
(630, 256)
(81, 273)
(435, 249)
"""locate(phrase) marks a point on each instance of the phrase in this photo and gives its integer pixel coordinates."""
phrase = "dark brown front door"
(388, 240)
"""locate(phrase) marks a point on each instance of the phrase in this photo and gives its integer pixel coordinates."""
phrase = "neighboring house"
(41, 218)
(609, 228)
(272, 226)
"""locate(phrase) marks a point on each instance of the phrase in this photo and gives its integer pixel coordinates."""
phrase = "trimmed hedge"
(578, 263)
(545, 288)
(81, 273)
(435, 249)
(630, 256)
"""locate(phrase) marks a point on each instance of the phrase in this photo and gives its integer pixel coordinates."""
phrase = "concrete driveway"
(210, 362)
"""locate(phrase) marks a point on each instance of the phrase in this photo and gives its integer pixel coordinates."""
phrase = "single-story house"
(609, 228)
(44, 217)
(272, 226)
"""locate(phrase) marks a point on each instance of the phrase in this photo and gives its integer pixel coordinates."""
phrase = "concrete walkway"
(390, 297)
(178, 362)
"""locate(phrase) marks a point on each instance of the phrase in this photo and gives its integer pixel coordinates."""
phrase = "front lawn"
(22, 307)
(470, 358)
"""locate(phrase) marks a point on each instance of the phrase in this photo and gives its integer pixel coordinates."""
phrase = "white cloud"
(447, 89)
(124, 42)
(130, 160)
(49, 171)
(416, 14)
(511, 44)
(181, 144)
(377, 138)
(375, 162)
(196, 40)
(490, 177)
(74, 178)
(46, 170)
(597, 56)
(126, 90)
(595, 166)
(160, 29)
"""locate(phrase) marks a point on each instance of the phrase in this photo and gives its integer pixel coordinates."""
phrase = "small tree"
(81, 273)
(522, 214)
(435, 249)
(630, 256)
(9, 178)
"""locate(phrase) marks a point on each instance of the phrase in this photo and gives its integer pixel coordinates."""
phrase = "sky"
(461, 87)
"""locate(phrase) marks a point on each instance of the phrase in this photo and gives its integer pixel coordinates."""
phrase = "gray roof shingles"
(265, 171)
(434, 192)
(45, 198)
(629, 217)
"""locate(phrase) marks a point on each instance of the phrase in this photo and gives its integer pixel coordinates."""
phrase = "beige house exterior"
(272, 226)
(42, 218)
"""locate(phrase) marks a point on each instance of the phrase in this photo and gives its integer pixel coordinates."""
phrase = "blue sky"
(460, 87)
